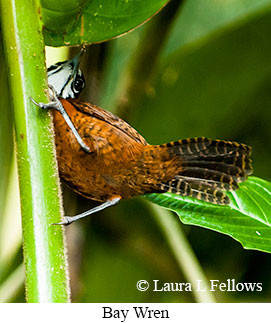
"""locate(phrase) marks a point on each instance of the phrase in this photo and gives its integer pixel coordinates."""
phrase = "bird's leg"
(70, 219)
(57, 105)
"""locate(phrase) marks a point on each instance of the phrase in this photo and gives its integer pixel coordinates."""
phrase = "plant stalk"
(44, 253)
(183, 253)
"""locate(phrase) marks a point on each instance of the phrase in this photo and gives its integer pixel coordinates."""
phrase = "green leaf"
(80, 22)
(247, 219)
(253, 199)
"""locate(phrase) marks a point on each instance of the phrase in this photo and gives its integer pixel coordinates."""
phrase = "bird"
(103, 158)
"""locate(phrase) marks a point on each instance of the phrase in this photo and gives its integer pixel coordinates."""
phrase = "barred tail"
(209, 168)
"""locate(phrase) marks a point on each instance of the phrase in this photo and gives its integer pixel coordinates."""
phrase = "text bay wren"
(103, 158)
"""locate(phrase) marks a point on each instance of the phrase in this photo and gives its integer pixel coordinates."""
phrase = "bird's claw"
(66, 221)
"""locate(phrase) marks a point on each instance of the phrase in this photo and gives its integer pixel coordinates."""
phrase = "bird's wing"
(106, 116)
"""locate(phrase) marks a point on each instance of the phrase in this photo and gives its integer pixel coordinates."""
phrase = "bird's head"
(66, 78)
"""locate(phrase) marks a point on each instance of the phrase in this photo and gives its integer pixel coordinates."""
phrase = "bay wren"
(103, 158)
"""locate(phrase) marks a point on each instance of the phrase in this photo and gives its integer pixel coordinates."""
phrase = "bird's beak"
(76, 61)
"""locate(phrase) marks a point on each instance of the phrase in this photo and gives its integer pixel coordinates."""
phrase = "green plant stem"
(183, 253)
(44, 253)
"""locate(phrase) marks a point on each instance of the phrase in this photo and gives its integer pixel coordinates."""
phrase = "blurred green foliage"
(211, 77)
(6, 141)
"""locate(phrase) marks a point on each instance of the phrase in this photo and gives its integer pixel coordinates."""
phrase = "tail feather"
(206, 191)
(217, 167)
(211, 175)
(209, 168)
(242, 161)
(224, 186)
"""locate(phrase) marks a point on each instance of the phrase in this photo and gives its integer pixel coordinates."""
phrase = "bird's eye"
(78, 84)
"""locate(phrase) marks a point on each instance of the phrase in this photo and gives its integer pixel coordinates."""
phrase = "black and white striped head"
(66, 78)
